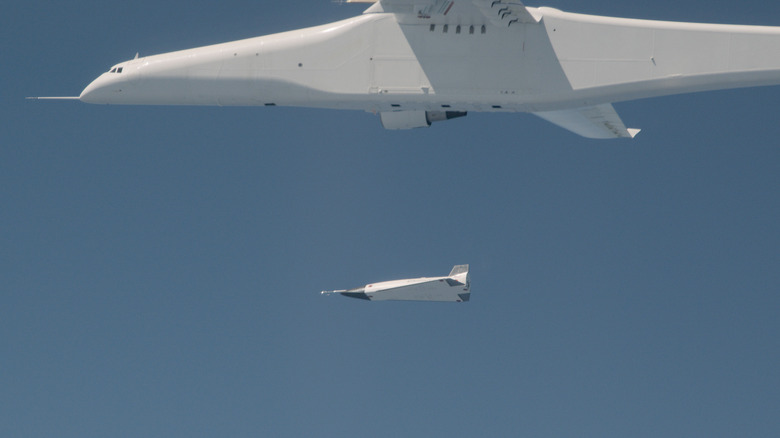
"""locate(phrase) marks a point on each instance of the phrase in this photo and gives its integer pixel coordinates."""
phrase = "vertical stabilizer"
(459, 269)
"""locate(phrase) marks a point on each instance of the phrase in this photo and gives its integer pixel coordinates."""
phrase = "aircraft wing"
(600, 121)
(497, 12)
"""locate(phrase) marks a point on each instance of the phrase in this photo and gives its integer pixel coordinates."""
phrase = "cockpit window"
(113, 70)
(116, 70)
(119, 70)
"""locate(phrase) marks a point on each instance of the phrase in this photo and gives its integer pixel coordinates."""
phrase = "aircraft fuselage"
(379, 62)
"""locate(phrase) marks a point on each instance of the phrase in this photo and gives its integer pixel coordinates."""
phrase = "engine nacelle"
(415, 119)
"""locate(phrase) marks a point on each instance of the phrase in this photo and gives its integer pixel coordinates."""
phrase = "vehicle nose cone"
(104, 89)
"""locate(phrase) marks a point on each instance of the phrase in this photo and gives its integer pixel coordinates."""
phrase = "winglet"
(633, 132)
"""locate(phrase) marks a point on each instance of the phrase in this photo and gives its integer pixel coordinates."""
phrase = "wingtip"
(633, 132)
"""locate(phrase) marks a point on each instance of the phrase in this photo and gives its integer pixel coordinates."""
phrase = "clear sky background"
(160, 267)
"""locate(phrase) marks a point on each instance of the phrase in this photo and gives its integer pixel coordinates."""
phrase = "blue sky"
(161, 266)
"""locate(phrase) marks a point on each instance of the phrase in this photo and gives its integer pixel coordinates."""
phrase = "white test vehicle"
(415, 62)
(454, 287)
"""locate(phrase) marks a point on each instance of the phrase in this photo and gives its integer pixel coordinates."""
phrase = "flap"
(600, 121)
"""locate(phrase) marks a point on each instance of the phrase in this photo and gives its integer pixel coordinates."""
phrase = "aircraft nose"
(105, 89)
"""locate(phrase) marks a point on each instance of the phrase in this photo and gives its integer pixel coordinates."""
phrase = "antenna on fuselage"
(136, 55)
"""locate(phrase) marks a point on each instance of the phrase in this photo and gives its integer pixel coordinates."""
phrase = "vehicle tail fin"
(459, 269)
(459, 276)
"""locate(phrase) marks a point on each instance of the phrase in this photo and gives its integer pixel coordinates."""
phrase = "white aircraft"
(415, 62)
(454, 288)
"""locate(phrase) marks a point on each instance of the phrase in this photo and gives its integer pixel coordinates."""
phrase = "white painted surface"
(434, 56)
(455, 287)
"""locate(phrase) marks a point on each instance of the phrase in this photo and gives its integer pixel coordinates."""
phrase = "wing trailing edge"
(598, 122)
